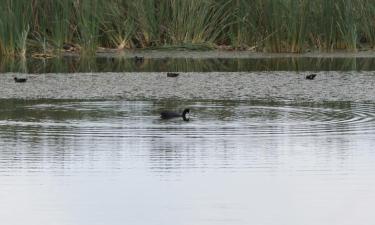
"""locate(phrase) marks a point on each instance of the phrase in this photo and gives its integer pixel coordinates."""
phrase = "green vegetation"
(44, 26)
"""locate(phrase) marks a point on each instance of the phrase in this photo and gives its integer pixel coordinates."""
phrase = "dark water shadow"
(115, 64)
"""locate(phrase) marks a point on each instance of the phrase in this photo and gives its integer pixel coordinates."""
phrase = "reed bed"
(28, 26)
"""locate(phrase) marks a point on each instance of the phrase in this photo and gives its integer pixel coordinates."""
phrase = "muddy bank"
(327, 86)
(219, 54)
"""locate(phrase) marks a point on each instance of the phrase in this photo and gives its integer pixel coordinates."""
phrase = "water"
(235, 162)
(330, 86)
(198, 64)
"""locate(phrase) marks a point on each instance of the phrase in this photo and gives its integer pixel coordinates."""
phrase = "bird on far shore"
(139, 59)
(311, 76)
(69, 47)
(20, 80)
(171, 114)
(172, 74)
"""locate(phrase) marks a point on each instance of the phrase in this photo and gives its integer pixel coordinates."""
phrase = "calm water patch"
(235, 162)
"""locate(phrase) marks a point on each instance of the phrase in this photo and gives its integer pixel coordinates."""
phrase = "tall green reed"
(147, 15)
(195, 21)
(265, 25)
(119, 25)
(347, 24)
(366, 29)
(15, 16)
(89, 15)
(244, 23)
(52, 29)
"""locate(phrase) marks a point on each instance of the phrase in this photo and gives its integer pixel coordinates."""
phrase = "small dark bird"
(172, 74)
(171, 115)
(311, 76)
(20, 80)
(139, 59)
(363, 40)
(68, 47)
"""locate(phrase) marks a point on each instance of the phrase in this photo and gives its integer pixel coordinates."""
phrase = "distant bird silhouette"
(171, 115)
(363, 40)
(311, 76)
(69, 47)
(139, 59)
(172, 74)
(20, 80)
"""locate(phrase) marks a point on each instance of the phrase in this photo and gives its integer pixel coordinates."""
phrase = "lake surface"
(235, 162)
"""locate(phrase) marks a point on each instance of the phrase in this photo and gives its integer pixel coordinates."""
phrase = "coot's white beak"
(187, 115)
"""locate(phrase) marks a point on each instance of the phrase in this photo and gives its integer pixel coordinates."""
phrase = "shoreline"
(221, 54)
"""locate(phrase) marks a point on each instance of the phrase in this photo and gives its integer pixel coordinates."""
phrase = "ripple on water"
(140, 119)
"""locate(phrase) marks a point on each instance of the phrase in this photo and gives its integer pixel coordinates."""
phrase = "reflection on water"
(116, 162)
(76, 64)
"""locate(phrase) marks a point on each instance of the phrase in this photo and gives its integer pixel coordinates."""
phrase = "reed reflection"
(120, 64)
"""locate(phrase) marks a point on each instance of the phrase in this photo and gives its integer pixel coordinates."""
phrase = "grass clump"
(262, 25)
(14, 27)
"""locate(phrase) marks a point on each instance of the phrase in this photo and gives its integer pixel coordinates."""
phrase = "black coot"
(170, 114)
(172, 74)
(311, 76)
(20, 80)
